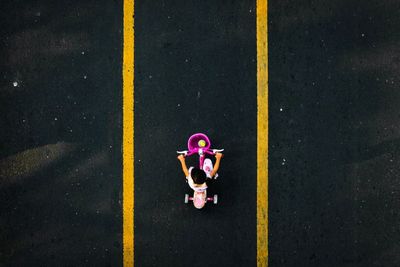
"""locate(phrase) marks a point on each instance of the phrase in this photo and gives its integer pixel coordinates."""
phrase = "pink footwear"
(208, 167)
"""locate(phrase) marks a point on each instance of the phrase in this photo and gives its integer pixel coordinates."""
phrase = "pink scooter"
(199, 143)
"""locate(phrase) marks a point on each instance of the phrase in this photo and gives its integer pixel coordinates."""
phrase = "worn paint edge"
(262, 133)
(128, 133)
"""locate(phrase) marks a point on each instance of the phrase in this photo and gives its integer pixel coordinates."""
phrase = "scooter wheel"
(215, 199)
(186, 198)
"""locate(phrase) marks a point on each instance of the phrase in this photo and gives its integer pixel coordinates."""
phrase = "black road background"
(334, 147)
(195, 72)
(60, 133)
(334, 132)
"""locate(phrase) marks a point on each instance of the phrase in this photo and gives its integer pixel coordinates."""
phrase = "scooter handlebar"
(187, 153)
(184, 152)
(213, 151)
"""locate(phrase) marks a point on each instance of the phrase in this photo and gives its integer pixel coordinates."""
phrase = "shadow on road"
(60, 133)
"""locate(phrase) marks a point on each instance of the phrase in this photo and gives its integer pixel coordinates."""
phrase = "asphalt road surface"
(195, 72)
(60, 133)
(334, 132)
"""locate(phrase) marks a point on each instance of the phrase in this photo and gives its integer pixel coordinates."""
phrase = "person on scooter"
(197, 178)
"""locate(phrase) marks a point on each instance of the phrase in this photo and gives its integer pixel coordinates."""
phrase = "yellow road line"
(128, 134)
(262, 133)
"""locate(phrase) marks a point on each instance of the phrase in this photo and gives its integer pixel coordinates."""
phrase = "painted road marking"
(128, 135)
(262, 133)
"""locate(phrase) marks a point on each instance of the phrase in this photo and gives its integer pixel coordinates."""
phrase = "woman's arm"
(218, 156)
(185, 170)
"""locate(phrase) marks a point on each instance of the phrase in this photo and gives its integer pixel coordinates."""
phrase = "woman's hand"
(218, 155)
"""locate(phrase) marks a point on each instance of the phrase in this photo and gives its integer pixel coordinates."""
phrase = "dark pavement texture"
(60, 134)
(334, 132)
(334, 147)
(195, 72)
